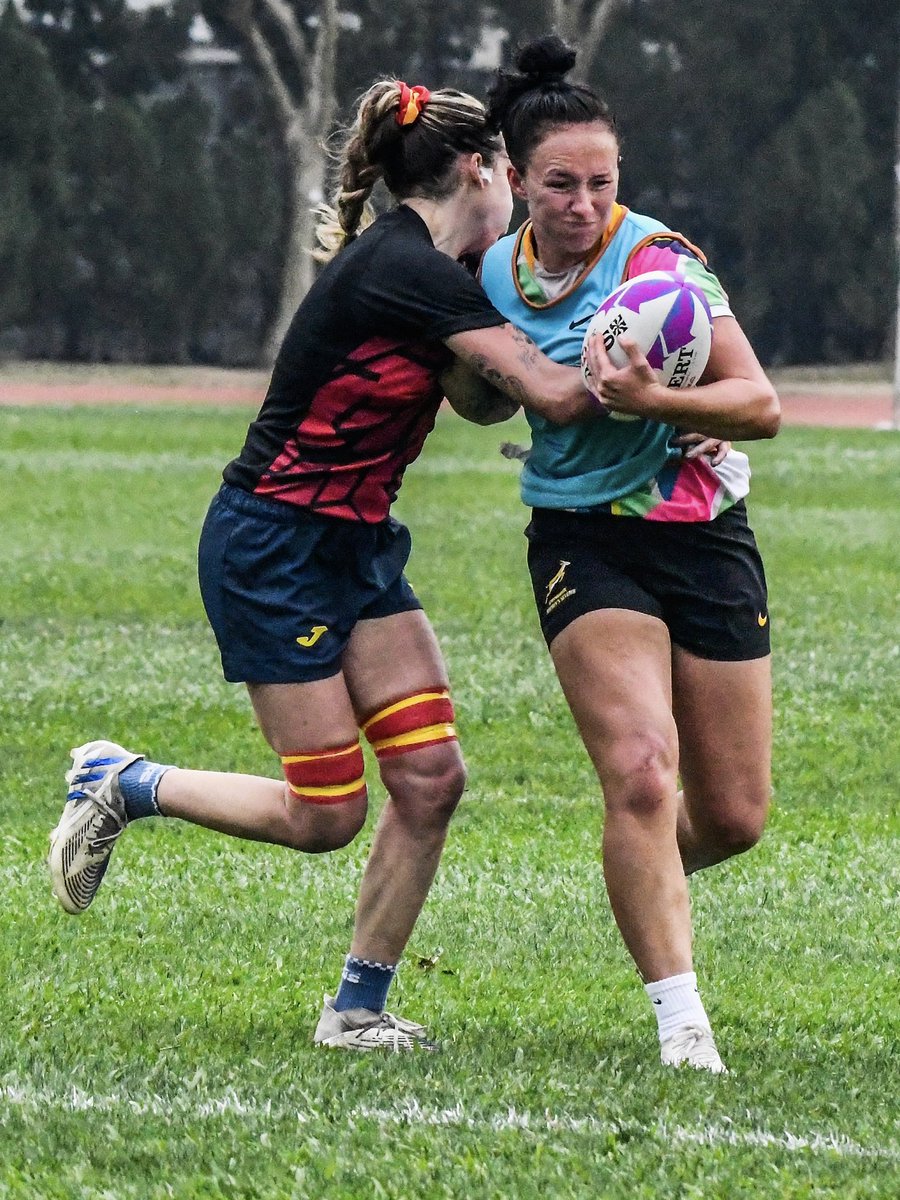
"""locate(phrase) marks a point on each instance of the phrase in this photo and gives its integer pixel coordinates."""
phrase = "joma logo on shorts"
(313, 636)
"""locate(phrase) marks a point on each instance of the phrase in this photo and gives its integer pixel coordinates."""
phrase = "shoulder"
(502, 251)
(640, 225)
(399, 234)
(395, 260)
(498, 264)
(665, 250)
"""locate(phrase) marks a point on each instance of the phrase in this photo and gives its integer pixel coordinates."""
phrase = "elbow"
(559, 396)
(568, 409)
(770, 416)
(562, 413)
(763, 418)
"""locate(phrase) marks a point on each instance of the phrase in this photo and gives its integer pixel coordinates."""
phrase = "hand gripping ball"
(669, 319)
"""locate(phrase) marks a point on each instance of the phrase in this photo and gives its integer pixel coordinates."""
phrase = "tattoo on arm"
(509, 384)
(528, 351)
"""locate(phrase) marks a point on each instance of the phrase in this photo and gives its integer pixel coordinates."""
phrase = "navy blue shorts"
(283, 588)
(704, 579)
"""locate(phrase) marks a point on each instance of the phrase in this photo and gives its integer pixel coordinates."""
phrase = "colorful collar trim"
(523, 261)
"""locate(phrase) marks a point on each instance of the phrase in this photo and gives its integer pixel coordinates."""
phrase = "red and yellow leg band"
(412, 722)
(326, 776)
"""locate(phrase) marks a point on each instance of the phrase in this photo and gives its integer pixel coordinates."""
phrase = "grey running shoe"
(362, 1029)
(692, 1046)
(91, 821)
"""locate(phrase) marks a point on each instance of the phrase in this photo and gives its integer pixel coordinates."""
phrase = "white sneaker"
(91, 821)
(362, 1029)
(692, 1046)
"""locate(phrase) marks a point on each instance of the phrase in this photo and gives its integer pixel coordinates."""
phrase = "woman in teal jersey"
(648, 583)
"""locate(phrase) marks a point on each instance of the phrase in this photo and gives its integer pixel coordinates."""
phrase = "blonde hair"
(415, 159)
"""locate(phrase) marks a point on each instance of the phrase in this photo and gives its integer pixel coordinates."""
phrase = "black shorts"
(283, 587)
(704, 579)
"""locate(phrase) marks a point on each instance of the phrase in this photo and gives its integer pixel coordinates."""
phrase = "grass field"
(159, 1046)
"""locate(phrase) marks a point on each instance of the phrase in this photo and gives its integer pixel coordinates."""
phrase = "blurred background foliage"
(149, 184)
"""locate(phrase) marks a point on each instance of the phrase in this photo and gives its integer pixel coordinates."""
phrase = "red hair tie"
(412, 101)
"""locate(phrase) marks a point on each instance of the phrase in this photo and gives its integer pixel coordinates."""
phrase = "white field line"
(192, 1104)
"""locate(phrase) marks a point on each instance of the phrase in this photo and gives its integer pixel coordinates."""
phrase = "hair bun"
(546, 59)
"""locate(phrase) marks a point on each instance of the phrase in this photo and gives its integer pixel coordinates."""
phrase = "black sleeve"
(420, 292)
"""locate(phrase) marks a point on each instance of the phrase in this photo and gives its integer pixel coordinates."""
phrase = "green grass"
(159, 1045)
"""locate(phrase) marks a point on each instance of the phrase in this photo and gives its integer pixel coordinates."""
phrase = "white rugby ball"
(667, 316)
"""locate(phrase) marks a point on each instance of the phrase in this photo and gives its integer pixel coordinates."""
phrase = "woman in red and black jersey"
(301, 564)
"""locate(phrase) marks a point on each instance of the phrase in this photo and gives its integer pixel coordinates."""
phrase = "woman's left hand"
(633, 389)
(698, 445)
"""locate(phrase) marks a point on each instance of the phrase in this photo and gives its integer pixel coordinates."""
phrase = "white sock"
(676, 1003)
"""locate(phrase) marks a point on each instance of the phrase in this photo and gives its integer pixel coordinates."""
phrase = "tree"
(585, 24)
(726, 127)
(31, 170)
(187, 255)
(312, 59)
(106, 47)
(296, 61)
(250, 201)
(115, 164)
(807, 236)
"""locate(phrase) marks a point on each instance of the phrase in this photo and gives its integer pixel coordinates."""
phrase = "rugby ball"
(667, 316)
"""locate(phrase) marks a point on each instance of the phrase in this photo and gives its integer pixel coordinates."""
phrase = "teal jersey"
(626, 465)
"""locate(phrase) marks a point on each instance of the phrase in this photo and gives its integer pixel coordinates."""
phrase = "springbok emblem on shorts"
(557, 578)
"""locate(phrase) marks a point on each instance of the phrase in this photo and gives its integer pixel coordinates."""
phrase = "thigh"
(723, 711)
(304, 716)
(277, 598)
(614, 667)
(390, 657)
(710, 579)
(576, 567)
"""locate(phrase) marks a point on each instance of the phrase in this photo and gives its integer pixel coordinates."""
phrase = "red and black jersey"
(354, 391)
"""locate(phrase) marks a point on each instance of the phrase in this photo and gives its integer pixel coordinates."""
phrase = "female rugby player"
(646, 575)
(302, 565)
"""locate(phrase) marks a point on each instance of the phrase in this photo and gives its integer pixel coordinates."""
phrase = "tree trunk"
(307, 188)
(583, 24)
(304, 100)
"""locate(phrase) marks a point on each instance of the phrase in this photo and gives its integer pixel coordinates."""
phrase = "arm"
(473, 397)
(511, 361)
(736, 401)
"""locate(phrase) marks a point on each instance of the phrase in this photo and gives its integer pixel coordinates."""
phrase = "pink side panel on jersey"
(696, 496)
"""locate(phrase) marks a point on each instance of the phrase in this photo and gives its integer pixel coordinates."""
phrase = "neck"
(556, 261)
(555, 264)
(444, 224)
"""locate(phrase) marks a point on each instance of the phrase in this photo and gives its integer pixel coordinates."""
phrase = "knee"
(736, 829)
(325, 798)
(426, 786)
(418, 756)
(315, 829)
(640, 777)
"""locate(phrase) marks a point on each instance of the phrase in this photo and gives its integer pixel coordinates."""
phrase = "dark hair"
(416, 159)
(527, 103)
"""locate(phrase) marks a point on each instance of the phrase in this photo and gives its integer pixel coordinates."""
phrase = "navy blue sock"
(138, 784)
(364, 984)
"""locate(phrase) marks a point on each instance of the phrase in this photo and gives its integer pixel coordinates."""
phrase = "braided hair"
(413, 159)
(525, 104)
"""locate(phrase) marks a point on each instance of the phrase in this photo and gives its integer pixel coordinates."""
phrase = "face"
(570, 185)
(492, 208)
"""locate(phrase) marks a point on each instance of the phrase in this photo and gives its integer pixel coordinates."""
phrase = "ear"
(517, 183)
(478, 172)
